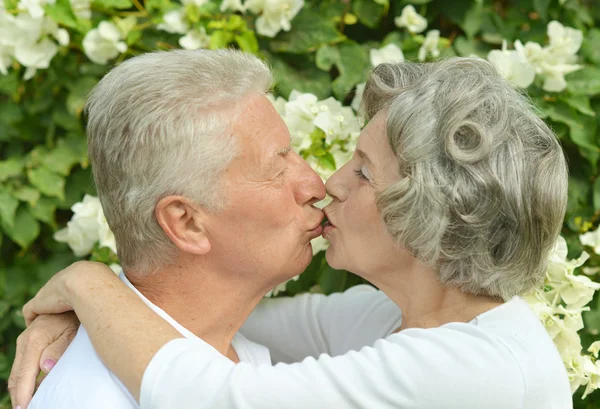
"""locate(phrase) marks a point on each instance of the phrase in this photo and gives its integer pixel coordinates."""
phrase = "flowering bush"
(52, 52)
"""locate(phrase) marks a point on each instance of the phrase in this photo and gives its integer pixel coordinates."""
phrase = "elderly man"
(210, 206)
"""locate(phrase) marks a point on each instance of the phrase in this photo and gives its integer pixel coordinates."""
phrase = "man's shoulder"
(80, 379)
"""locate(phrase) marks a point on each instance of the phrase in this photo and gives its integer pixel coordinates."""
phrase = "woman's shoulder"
(504, 353)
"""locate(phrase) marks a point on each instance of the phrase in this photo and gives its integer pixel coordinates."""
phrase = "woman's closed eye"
(362, 173)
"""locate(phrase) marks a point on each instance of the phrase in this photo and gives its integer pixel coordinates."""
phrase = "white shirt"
(81, 381)
(503, 359)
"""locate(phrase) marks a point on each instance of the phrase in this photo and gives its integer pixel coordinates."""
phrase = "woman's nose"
(335, 185)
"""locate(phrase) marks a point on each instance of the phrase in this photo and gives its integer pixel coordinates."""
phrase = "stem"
(139, 6)
(346, 11)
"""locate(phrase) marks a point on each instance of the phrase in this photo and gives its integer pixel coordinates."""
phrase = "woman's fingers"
(43, 343)
(52, 354)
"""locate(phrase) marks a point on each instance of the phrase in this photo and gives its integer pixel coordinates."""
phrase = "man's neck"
(209, 305)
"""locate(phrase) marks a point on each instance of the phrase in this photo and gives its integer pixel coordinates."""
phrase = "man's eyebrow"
(364, 156)
(284, 151)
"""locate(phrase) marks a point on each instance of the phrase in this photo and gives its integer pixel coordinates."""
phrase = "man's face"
(269, 220)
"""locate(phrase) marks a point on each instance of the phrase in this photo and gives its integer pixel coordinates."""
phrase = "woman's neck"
(425, 303)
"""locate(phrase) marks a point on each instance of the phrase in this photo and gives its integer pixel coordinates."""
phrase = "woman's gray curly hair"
(483, 188)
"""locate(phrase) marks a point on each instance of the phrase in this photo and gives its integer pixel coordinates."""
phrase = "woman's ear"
(183, 222)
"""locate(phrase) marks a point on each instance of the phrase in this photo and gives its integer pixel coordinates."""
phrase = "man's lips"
(327, 220)
(317, 228)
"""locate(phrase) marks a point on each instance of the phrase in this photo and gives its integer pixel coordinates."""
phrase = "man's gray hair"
(483, 188)
(160, 124)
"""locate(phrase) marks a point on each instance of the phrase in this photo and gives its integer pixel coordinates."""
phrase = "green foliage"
(43, 163)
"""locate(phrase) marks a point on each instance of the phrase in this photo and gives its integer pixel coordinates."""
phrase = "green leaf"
(44, 210)
(80, 90)
(10, 168)
(113, 4)
(582, 129)
(415, 2)
(332, 280)
(597, 194)
(541, 6)
(327, 161)
(472, 22)
(220, 39)
(159, 5)
(247, 42)
(584, 82)
(9, 84)
(78, 184)
(326, 57)
(62, 13)
(61, 159)
(591, 46)
(27, 194)
(48, 182)
(581, 103)
(10, 113)
(353, 65)
(303, 76)
(25, 229)
(64, 119)
(310, 30)
(8, 207)
(369, 12)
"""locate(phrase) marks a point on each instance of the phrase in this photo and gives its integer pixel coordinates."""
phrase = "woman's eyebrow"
(364, 156)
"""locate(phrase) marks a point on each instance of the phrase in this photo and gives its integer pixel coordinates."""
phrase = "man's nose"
(310, 186)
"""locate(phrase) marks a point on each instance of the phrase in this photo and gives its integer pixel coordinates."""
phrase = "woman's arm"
(294, 328)
(455, 366)
(110, 312)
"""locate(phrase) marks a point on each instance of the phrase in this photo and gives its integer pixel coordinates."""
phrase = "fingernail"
(47, 365)
(18, 407)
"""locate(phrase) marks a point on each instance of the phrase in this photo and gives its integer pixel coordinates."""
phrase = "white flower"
(557, 59)
(83, 230)
(35, 7)
(512, 66)
(360, 89)
(125, 25)
(82, 8)
(388, 54)
(337, 121)
(564, 40)
(430, 45)
(87, 226)
(319, 244)
(26, 39)
(174, 22)
(276, 15)
(197, 3)
(591, 239)
(195, 39)
(594, 348)
(411, 20)
(106, 237)
(34, 56)
(235, 5)
(103, 43)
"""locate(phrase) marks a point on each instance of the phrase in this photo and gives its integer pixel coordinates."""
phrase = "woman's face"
(359, 241)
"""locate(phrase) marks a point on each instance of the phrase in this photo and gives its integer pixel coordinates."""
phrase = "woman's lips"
(327, 227)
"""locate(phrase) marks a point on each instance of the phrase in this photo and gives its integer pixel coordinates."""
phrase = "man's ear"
(183, 222)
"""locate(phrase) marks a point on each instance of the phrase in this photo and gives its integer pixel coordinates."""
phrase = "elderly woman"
(450, 205)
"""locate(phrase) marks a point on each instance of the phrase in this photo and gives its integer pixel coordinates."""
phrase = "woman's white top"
(502, 359)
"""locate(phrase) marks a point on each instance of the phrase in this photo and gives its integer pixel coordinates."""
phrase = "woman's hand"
(39, 347)
(57, 295)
